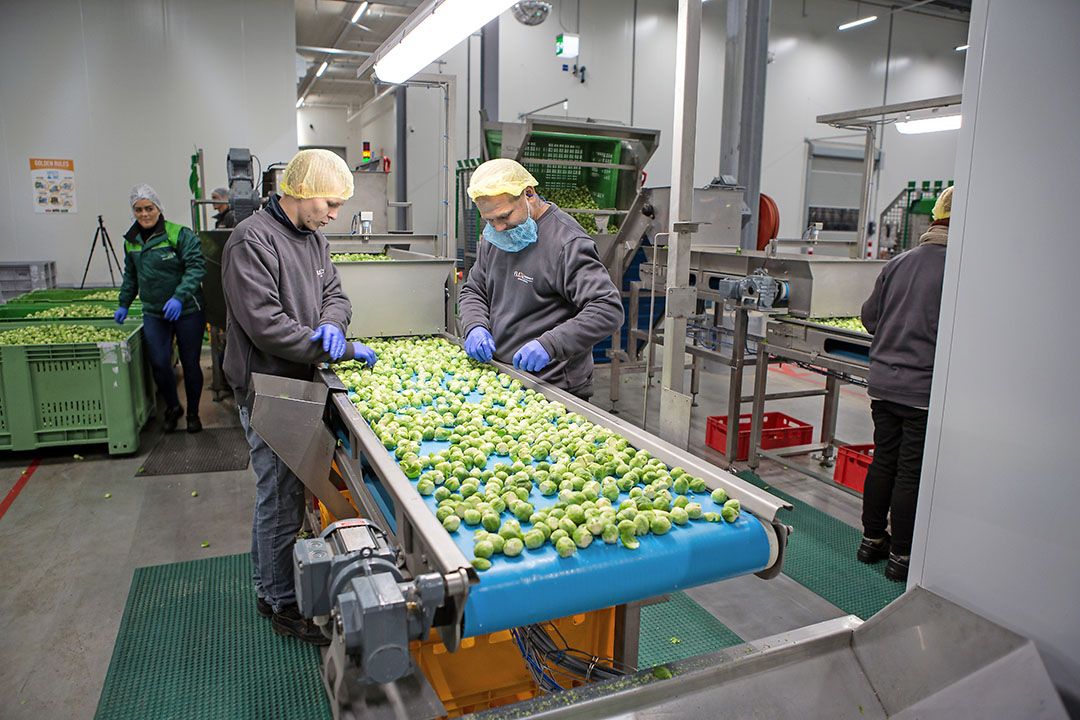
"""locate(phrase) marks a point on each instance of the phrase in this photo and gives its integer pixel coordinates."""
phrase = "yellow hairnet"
(943, 206)
(500, 176)
(317, 174)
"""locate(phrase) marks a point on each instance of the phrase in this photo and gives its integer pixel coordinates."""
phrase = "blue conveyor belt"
(538, 585)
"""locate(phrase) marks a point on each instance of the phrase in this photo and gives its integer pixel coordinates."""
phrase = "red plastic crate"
(852, 462)
(777, 431)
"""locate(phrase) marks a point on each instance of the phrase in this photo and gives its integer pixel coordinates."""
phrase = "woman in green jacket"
(163, 265)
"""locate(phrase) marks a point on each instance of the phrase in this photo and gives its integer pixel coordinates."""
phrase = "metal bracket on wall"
(681, 302)
(675, 417)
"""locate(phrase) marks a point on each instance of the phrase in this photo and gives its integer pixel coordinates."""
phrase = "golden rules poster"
(54, 185)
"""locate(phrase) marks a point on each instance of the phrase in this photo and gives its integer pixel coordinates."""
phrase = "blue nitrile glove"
(172, 309)
(120, 315)
(363, 352)
(479, 345)
(333, 340)
(532, 357)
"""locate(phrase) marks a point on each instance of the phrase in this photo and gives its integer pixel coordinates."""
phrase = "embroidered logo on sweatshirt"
(522, 277)
(320, 272)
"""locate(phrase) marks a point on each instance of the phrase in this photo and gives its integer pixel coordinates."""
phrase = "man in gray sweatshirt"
(286, 313)
(902, 315)
(538, 295)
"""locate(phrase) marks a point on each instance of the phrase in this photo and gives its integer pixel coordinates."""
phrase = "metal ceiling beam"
(332, 51)
(873, 115)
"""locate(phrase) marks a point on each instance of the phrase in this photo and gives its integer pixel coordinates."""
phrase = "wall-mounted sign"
(54, 185)
(566, 45)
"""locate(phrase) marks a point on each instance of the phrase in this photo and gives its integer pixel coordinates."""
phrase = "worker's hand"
(364, 353)
(532, 357)
(172, 309)
(479, 345)
(120, 315)
(333, 340)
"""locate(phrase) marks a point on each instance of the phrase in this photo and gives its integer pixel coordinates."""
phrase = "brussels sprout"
(582, 537)
(425, 487)
(557, 535)
(483, 549)
(481, 563)
(565, 547)
(610, 533)
(513, 547)
(472, 517)
(490, 521)
(659, 525)
(719, 496)
(693, 510)
(451, 522)
(711, 517)
(629, 540)
(698, 485)
(498, 542)
(678, 515)
(533, 539)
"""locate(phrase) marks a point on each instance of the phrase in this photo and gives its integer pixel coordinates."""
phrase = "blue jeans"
(159, 333)
(279, 514)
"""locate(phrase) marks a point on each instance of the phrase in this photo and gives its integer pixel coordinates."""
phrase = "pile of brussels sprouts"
(110, 295)
(578, 198)
(75, 310)
(57, 334)
(360, 257)
(603, 488)
(847, 323)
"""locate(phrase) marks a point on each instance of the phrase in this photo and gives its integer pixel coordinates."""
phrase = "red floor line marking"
(14, 492)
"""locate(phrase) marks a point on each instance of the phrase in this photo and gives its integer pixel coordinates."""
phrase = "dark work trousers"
(892, 482)
(159, 333)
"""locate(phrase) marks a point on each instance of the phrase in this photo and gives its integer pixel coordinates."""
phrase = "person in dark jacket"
(538, 295)
(286, 312)
(225, 218)
(164, 266)
(902, 315)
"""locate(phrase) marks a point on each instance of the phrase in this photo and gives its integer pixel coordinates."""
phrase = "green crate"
(602, 183)
(75, 393)
(21, 311)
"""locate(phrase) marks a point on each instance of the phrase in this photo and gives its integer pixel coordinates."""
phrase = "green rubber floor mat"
(191, 645)
(679, 629)
(821, 557)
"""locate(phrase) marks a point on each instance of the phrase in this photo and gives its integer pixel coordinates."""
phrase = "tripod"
(106, 243)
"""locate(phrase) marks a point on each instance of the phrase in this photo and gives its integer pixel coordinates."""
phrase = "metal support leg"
(627, 629)
(828, 419)
(757, 418)
(738, 353)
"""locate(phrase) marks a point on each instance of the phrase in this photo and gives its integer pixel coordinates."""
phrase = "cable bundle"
(545, 659)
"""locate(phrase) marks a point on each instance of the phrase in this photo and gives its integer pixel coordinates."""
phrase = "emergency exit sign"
(566, 45)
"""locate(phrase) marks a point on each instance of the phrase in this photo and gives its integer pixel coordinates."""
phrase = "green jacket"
(169, 264)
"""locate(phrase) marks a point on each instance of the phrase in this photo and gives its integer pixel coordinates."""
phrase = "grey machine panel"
(381, 242)
(820, 286)
(920, 657)
(404, 297)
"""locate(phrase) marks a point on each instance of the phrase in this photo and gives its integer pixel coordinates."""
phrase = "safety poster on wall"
(54, 185)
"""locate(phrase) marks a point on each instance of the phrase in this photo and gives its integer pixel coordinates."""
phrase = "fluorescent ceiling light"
(930, 124)
(448, 24)
(857, 23)
(321, 70)
(961, 48)
(359, 12)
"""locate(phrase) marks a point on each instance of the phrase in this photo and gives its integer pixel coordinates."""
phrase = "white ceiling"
(325, 24)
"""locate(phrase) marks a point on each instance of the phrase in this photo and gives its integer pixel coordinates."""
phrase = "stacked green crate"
(72, 393)
(62, 311)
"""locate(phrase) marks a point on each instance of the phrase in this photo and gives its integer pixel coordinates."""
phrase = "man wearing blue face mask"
(538, 295)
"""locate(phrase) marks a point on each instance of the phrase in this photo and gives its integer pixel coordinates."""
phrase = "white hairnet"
(501, 176)
(317, 173)
(142, 191)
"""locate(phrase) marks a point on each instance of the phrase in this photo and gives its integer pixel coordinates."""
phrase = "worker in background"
(538, 295)
(902, 315)
(286, 312)
(224, 218)
(164, 266)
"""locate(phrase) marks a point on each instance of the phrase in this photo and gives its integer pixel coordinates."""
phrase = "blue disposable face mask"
(514, 239)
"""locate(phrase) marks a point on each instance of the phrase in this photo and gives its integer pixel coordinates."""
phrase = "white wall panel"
(999, 496)
(128, 89)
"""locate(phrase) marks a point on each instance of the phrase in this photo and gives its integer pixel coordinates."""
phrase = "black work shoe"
(264, 607)
(194, 424)
(897, 568)
(871, 551)
(291, 623)
(172, 416)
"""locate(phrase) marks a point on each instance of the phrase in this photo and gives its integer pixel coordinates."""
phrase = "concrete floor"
(69, 553)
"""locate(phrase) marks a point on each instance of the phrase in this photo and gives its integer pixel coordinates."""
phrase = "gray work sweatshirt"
(555, 290)
(902, 315)
(279, 287)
